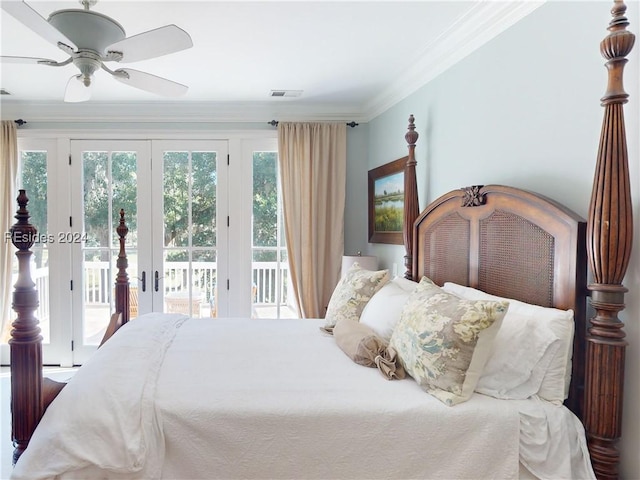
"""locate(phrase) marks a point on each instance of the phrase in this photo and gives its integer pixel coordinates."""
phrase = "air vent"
(285, 93)
(4, 92)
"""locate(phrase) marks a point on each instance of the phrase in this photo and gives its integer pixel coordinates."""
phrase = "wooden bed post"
(411, 207)
(122, 300)
(609, 238)
(26, 342)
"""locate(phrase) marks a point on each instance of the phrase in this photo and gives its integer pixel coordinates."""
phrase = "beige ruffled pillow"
(444, 341)
(352, 293)
(365, 347)
(359, 342)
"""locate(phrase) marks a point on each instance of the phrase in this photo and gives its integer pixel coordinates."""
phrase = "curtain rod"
(20, 122)
(274, 123)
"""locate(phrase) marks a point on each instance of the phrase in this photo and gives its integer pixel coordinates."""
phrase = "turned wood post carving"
(25, 343)
(122, 278)
(411, 207)
(609, 237)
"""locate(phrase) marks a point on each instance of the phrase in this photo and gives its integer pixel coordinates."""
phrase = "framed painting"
(386, 202)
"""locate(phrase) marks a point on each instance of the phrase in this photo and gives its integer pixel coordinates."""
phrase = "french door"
(195, 245)
(189, 205)
(170, 192)
(38, 171)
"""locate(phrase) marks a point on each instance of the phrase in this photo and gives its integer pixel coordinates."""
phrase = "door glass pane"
(109, 184)
(189, 200)
(204, 281)
(33, 179)
(125, 194)
(270, 296)
(176, 270)
(97, 295)
(190, 282)
(176, 199)
(203, 193)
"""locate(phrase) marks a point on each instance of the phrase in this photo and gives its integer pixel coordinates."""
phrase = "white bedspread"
(170, 397)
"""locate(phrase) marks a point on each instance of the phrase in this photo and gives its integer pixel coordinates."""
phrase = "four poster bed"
(234, 398)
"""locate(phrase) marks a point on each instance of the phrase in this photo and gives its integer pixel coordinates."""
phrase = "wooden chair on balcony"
(133, 302)
(213, 307)
(116, 318)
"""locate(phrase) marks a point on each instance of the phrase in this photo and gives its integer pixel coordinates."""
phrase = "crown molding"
(172, 112)
(478, 25)
(482, 22)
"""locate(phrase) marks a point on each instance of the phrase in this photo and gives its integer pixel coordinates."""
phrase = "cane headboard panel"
(511, 243)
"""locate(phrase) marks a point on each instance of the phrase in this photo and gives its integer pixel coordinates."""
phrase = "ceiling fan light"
(77, 90)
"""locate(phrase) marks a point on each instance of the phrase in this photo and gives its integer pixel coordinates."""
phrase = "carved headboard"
(511, 243)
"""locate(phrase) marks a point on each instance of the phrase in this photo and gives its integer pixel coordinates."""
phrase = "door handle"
(155, 281)
(144, 281)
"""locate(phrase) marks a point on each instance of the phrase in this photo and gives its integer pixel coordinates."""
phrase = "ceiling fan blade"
(150, 83)
(33, 20)
(154, 43)
(77, 91)
(33, 60)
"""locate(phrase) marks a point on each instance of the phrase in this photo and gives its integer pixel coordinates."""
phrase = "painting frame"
(391, 173)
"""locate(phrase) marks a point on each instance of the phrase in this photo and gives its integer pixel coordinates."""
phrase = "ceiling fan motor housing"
(87, 29)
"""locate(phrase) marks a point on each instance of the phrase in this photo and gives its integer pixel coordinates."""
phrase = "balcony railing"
(271, 297)
(269, 283)
(270, 288)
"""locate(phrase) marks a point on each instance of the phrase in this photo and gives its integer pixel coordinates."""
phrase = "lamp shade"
(367, 262)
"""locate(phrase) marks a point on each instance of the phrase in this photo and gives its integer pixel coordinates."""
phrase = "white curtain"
(8, 178)
(313, 167)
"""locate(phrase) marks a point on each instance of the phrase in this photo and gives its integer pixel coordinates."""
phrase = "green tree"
(125, 192)
(203, 208)
(196, 191)
(34, 181)
(98, 192)
(265, 201)
(178, 183)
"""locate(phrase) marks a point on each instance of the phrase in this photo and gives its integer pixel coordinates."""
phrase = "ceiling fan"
(91, 39)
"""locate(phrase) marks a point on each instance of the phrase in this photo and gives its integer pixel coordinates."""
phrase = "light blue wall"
(524, 110)
(356, 213)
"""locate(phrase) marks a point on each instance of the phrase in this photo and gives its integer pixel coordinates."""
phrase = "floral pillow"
(352, 293)
(444, 341)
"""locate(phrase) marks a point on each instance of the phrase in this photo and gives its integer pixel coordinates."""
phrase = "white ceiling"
(350, 58)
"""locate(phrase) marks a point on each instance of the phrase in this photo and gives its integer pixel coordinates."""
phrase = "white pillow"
(405, 284)
(523, 350)
(383, 311)
(554, 386)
